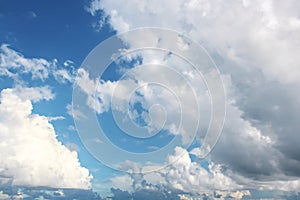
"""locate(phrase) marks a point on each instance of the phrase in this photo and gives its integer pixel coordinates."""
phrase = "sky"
(181, 99)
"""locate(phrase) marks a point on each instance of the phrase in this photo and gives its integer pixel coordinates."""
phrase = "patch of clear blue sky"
(59, 29)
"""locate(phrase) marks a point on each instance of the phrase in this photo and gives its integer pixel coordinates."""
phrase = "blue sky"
(43, 29)
(46, 30)
(155, 104)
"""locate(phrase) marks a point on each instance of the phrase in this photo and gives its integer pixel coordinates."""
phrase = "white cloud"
(234, 195)
(30, 153)
(256, 43)
(189, 176)
(180, 173)
(50, 119)
(63, 76)
(260, 34)
(68, 63)
(14, 64)
(122, 182)
(220, 195)
(3, 196)
(75, 113)
(164, 114)
(34, 94)
(98, 92)
(11, 60)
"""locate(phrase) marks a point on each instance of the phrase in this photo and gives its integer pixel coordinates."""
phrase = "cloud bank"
(256, 46)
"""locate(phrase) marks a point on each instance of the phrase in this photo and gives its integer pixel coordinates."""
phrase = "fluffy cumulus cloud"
(256, 46)
(189, 176)
(30, 154)
(179, 180)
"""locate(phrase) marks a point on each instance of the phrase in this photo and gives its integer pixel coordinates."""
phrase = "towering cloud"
(30, 153)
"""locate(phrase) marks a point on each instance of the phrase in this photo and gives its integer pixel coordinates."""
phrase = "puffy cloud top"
(30, 153)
